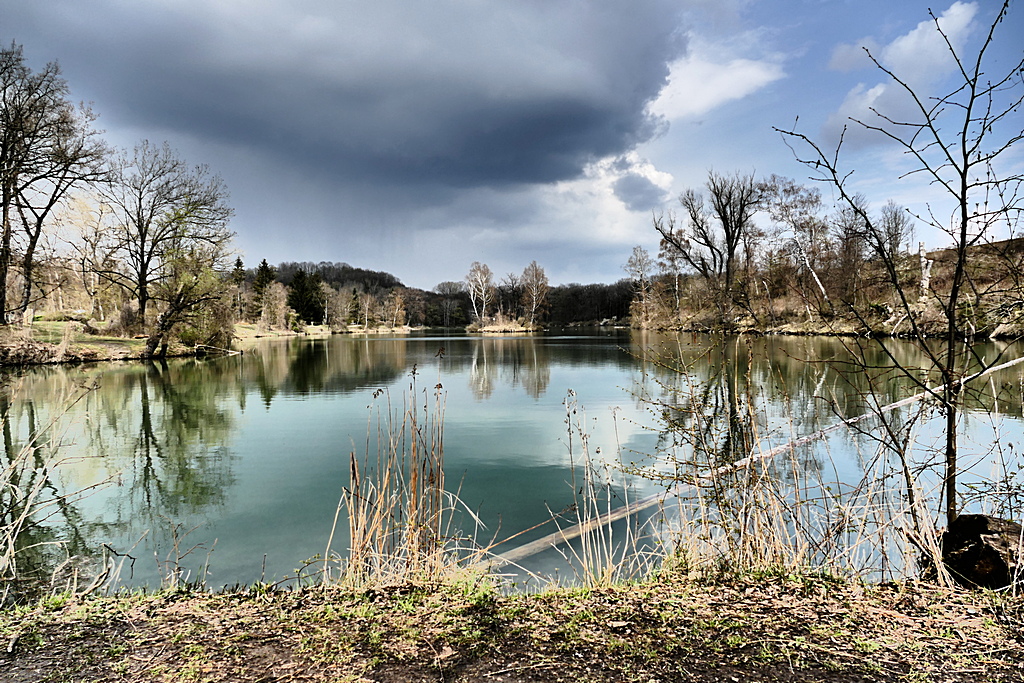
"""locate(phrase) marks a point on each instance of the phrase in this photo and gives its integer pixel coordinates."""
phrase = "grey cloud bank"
(443, 93)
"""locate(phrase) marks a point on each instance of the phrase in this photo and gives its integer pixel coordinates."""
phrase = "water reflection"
(252, 449)
(39, 524)
(859, 497)
(516, 361)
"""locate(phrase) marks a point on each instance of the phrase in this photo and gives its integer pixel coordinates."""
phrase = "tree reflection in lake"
(858, 499)
(252, 449)
(40, 525)
(519, 360)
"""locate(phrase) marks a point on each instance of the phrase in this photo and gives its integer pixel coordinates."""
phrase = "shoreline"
(780, 627)
(21, 347)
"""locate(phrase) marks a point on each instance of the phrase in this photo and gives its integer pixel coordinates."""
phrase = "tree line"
(760, 253)
(748, 253)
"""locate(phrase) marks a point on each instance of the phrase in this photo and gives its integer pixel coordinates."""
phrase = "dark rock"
(982, 552)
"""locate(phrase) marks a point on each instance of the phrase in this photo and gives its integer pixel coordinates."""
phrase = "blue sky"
(419, 137)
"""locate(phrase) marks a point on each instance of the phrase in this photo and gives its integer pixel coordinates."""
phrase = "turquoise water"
(233, 467)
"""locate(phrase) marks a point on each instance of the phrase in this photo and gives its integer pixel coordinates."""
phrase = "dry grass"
(400, 519)
(737, 505)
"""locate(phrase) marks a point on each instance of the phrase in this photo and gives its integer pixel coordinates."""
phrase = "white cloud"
(851, 57)
(698, 83)
(920, 58)
(592, 209)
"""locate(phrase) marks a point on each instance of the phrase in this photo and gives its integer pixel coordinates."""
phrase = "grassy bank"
(64, 342)
(764, 628)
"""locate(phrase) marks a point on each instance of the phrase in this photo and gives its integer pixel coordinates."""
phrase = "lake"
(233, 467)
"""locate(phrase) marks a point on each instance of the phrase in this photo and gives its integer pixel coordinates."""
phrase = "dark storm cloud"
(638, 193)
(445, 93)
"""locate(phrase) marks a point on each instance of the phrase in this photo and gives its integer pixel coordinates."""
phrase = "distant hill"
(340, 275)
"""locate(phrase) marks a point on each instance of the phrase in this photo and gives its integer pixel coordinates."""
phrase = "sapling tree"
(961, 141)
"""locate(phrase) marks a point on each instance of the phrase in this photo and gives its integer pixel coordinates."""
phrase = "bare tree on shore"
(961, 141)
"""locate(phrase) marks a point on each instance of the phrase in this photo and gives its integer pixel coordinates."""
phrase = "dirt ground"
(772, 629)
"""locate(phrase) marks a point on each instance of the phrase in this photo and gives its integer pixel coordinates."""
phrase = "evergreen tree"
(238, 273)
(238, 280)
(265, 275)
(306, 296)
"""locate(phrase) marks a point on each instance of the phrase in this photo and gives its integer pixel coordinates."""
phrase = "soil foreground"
(777, 628)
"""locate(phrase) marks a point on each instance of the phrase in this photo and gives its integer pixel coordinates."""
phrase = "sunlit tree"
(160, 207)
(535, 291)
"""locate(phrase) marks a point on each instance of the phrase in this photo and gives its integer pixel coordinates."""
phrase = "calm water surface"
(248, 455)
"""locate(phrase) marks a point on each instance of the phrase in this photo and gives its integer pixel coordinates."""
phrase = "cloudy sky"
(418, 137)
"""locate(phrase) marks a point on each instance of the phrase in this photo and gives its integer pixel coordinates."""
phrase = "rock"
(982, 552)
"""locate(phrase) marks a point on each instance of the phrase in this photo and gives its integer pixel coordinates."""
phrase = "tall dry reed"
(399, 515)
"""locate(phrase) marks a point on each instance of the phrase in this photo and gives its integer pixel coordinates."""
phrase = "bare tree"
(711, 240)
(394, 307)
(849, 234)
(480, 284)
(510, 295)
(796, 209)
(274, 310)
(452, 292)
(895, 232)
(961, 141)
(640, 268)
(160, 207)
(38, 127)
(73, 158)
(341, 307)
(86, 219)
(366, 307)
(535, 291)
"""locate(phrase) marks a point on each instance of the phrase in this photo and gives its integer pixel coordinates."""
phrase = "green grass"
(646, 630)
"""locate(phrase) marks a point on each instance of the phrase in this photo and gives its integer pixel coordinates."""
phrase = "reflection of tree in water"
(520, 362)
(537, 376)
(482, 371)
(159, 429)
(175, 468)
(309, 367)
(162, 427)
(312, 366)
(39, 525)
(719, 400)
(712, 416)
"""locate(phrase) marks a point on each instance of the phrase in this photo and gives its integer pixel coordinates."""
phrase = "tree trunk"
(164, 323)
(5, 253)
(143, 301)
(27, 266)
